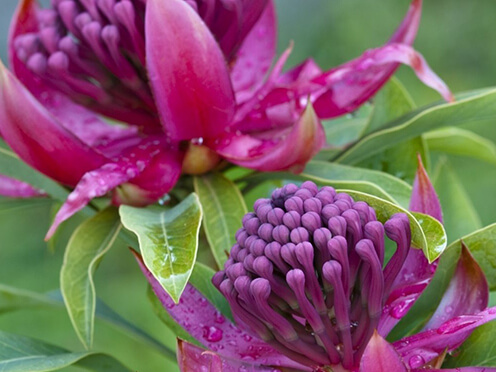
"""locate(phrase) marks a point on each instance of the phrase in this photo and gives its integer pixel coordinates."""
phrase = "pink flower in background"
(188, 83)
(310, 291)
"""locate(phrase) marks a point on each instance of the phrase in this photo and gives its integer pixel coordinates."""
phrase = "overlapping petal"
(13, 188)
(187, 72)
(379, 356)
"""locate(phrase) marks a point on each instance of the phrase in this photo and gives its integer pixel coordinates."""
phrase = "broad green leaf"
(478, 350)
(223, 209)
(482, 245)
(13, 299)
(469, 110)
(21, 354)
(457, 141)
(168, 240)
(459, 214)
(86, 248)
(345, 129)
(427, 233)
(12, 166)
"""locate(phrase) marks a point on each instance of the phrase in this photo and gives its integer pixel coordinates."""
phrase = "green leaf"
(457, 141)
(12, 166)
(86, 248)
(482, 245)
(13, 299)
(469, 110)
(347, 128)
(223, 209)
(459, 214)
(427, 233)
(168, 241)
(21, 354)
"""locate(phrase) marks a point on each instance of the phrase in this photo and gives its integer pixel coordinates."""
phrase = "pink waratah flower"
(189, 82)
(309, 291)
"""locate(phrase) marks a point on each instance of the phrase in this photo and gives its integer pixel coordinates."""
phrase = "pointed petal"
(424, 198)
(255, 56)
(46, 146)
(379, 355)
(425, 346)
(193, 358)
(205, 323)
(353, 83)
(13, 188)
(152, 168)
(407, 30)
(187, 71)
(291, 151)
(467, 293)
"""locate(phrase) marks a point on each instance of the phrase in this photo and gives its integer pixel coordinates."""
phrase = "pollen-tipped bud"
(307, 273)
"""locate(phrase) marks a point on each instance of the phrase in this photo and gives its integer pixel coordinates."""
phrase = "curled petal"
(206, 324)
(255, 56)
(46, 146)
(193, 358)
(424, 198)
(288, 149)
(346, 87)
(407, 30)
(187, 71)
(13, 188)
(467, 293)
(425, 346)
(379, 355)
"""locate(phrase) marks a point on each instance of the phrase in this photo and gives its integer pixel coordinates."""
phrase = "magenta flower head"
(310, 289)
(187, 80)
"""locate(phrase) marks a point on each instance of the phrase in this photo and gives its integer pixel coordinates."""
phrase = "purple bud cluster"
(307, 273)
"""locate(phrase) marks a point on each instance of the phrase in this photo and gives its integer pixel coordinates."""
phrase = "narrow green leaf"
(459, 214)
(12, 166)
(13, 299)
(86, 248)
(21, 354)
(168, 240)
(469, 110)
(223, 209)
(427, 233)
(345, 129)
(457, 141)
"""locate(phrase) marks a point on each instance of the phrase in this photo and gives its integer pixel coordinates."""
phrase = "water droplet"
(212, 334)
(247, 338)
(449, 309)
(454, 326)
(219, 318)
(416, 361)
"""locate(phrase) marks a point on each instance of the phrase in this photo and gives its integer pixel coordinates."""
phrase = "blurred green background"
(457, 39)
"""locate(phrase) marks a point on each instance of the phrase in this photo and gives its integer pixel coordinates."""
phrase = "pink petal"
(13, 188)
(288, 149)
(425, 346)
(255, 56)
(380, 356)
(192, 358)
(47, 145)
(163, 164)
(467, 293)
(407, 30)
(205, 323)
(424, 198)
(459, 369)
(187, 71)
(348, 86)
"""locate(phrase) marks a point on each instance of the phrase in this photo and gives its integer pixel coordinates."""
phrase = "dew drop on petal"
(416, 361)
(212, 334)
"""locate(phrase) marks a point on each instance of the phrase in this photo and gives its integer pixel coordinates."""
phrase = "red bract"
(189, 83)
(309, 291)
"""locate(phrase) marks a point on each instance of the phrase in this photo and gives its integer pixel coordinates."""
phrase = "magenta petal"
(467, 293)
(407, 30)
(353, 83)
(13, 188)
(206, 324)
(46, 146)
(288, 149)
(192, 358)
(425, 346)
(187, 71)
(458, 369)
(255, 56)
(380, 356)
(424, 198)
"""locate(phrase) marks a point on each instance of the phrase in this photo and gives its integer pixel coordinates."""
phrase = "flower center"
(307, 275)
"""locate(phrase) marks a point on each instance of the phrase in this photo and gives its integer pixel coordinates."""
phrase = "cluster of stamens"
(307, 273)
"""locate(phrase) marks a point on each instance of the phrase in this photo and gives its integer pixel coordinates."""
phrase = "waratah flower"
(189, 82)
(310, 290)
